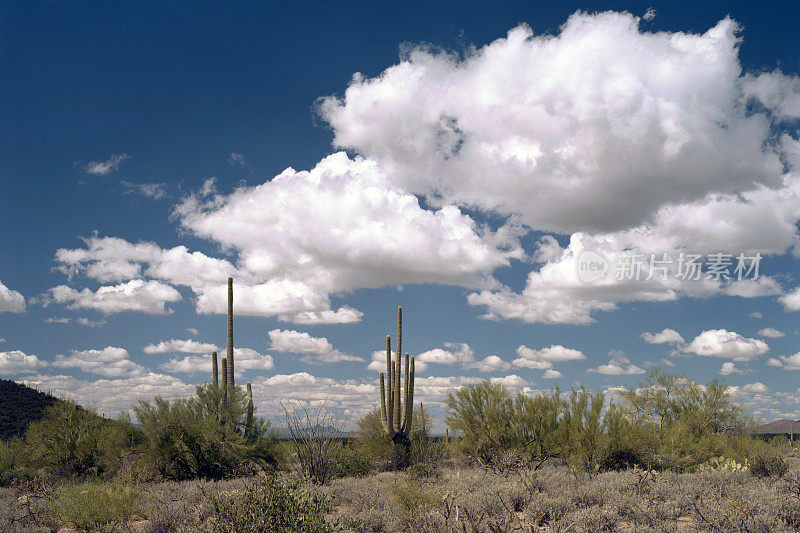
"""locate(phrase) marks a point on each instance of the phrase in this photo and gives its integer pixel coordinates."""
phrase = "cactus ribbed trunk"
(229, 381)
(224, 377)
(214, 369)
(248, 425)
(396, 381)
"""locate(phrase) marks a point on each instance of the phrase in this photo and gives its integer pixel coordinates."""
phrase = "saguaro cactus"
(248, 424)
(396, 410)
(214, 369)
(229, 380)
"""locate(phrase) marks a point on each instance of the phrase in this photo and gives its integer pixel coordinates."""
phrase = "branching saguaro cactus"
(397, 409)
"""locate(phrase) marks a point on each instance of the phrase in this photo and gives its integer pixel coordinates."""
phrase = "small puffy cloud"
(666, 336)
(83, 321)
(511, 381)
(101, 168)
(791, 362)
(726, 344)
(771, 333)
(193, 331)
(491, 363)
(314, 349)
(236, 159)
(544, 358)
(18, 362)
(148, 297)
(182, 346)
(755, 314)
(791, 300)
(57, 320)
(244, 359)
(11, 301)
(618, 365)
(109, 362)
(452, 353)
(552, 374)
(756, 388)
(729, 368)
(156, 191)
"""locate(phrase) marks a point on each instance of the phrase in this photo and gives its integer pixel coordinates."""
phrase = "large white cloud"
(18, 362)
(301, 238)
(245, 359)
(111, 362)
(136, 295)
(314, 349)
(11, 300)
(726, 344)
(111, 396)
(452, 353)
(592, 129)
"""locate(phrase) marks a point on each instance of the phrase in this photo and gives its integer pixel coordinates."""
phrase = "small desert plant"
(266, 504)
(722, 464)
(768, 465)
(93, 505)
(316, 440)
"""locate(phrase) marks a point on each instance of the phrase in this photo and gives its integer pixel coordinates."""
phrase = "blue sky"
(340, 160)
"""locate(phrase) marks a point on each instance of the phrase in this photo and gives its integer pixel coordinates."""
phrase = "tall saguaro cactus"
(396, 409)
(229, 381)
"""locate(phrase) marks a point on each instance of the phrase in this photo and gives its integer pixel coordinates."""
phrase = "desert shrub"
(497, 429)
(266, 504)
(353, 463)
(92, 505)
(72, 441)
(316, 441)
(194, 437)
(582, 428)
(768, 465)
(413, 498)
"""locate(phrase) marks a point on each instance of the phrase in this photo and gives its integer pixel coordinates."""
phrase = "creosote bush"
(267, 504)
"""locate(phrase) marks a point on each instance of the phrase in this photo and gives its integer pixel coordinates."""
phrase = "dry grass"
(471, 500)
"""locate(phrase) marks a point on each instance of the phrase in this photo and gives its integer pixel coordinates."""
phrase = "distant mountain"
(19, 406)
(784, 425)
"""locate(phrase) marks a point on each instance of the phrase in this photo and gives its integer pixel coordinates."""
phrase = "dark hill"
(19, 406)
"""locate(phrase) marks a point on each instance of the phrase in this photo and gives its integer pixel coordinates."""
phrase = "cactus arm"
(390, 382)
(409, 401)
(230, 382)
(214, 369)
(248, 425)
(224, 377)
(405, 393)
(396, 381)
(383, 404)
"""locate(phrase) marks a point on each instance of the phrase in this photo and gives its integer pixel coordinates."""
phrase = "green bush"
(197, 438)
(72, 441)
(266, 504)
(92, 506)
(353, 462)
(768, 465)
